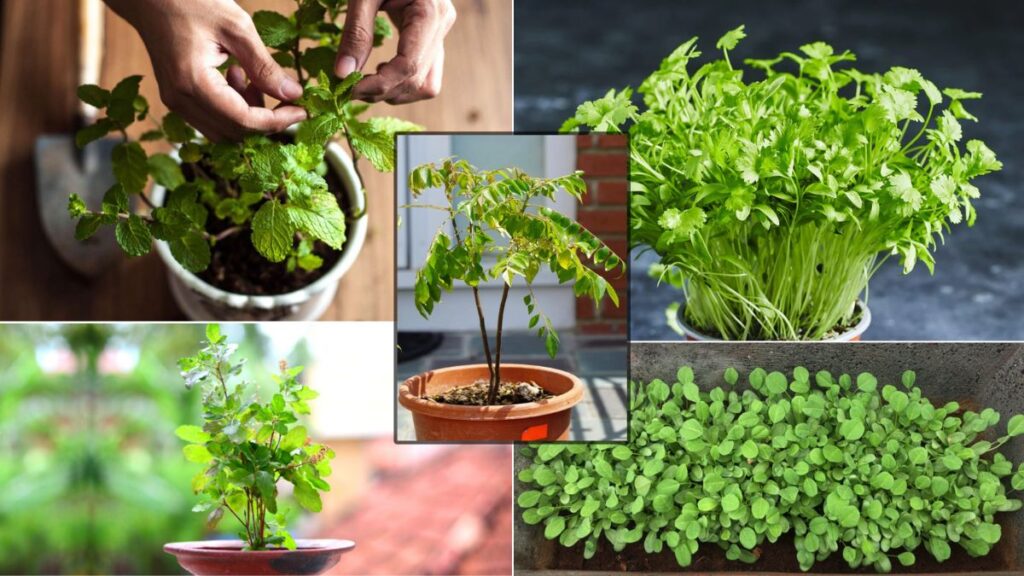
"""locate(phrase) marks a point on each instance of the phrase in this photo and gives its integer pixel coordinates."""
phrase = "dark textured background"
(568, 51)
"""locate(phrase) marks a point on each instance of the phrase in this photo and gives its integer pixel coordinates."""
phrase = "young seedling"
(272, 190)
(770, 196)
(248, 446)
(875, 473)
(500, 215)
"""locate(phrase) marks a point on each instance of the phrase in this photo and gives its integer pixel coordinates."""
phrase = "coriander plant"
(248, 446)
(498, 228)
(769, 195)
(875, 473)
(273, 190)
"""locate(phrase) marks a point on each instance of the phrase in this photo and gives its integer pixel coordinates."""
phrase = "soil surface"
(777, 557)
(236, 266)
(476, 394)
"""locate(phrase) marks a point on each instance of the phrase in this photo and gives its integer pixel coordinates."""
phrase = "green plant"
(769, 201)
(874, 473)
(496, 213)
(275, 191)
(249, 446)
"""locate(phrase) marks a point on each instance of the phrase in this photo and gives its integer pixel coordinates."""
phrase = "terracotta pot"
(542, 421)
(200, 300)
(677, 322)
(227, 557)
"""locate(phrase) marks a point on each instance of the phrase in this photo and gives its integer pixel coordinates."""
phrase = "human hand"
(416, 70)
(187, 41)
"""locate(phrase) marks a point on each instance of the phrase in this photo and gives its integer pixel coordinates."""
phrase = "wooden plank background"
(37, 82)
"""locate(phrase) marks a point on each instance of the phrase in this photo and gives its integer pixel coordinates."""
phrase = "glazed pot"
(227, 557)
(200, 300)
(542, 421)
(677, 322)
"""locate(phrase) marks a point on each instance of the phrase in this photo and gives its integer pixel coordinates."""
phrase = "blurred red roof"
(432, 510)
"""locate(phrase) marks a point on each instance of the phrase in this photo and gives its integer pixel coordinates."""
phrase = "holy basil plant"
(273, 190)
(769, 196)
(501, 215)
(877, 474)
(248, 447)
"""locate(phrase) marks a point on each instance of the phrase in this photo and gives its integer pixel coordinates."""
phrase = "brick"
(603, 327)
(618, 245)
(585, 309)
(613, 192)
(602, 164)
(584, 142)
(599, 220)
(610, 311)
(613, 140)
(590, 198)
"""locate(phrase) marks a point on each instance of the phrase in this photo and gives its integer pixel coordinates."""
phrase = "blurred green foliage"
(91, 474)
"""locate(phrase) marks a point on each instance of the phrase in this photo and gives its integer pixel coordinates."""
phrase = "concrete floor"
(567, 53)
(600, 361)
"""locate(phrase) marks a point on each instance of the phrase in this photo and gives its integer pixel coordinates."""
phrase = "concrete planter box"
(978, 375)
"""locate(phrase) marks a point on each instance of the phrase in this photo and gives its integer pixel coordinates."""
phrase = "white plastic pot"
(202, 301)
(674, 316)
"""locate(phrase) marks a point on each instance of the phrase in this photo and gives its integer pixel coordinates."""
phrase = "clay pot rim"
(231, 548)
(561, 402)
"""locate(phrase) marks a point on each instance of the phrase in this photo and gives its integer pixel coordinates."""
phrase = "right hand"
(187, 41)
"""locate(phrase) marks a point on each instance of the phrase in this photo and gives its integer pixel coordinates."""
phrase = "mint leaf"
(130, 166)
(165, 171)
(274, 29)
(192, 251)
(272, 231)
(121, 109)
(87, 226)
(372, 142)
(320, 217)
(133, 236)
(93, 95)
(176, 130)
(92, 132)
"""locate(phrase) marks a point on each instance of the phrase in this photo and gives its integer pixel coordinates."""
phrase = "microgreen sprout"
(876, 473)
(771, 197)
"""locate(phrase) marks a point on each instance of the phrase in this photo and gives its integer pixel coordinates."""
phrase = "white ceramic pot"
(202, 301)
(674, 316)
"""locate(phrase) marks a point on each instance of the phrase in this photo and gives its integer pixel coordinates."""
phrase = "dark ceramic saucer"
(227, 557)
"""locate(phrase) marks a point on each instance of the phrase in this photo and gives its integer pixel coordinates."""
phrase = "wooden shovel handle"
(90, 46)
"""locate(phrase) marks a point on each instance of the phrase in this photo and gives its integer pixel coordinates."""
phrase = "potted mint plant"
(787, 473)
(499, 215)
(249, 449)
(771, 196)
(253, 230)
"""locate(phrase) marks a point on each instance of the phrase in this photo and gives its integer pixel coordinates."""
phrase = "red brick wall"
(604, 159)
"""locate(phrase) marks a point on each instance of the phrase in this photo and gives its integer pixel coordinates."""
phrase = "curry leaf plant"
(772, 196)
(248, 447)
(497, 226)
(875, 473)
(274, 191)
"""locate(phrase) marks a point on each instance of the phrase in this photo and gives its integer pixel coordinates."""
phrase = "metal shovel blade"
(62, 170)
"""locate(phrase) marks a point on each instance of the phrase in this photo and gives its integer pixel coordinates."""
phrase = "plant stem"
(483, 331)
(496, 381)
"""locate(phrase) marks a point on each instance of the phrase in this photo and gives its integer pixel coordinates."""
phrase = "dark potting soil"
(236, 266)
(476, 394)
(777, 557)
